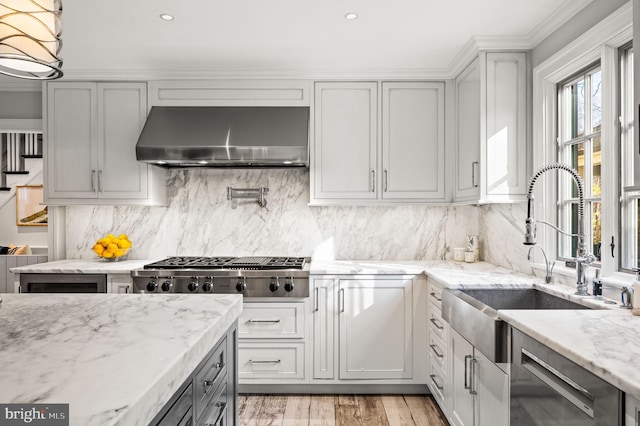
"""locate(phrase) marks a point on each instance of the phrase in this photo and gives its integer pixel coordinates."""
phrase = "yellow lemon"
(122, 244)
(123, 237)
(120, 253)
(112, 247)
(107, 254)
(110, 236)
(98, 249)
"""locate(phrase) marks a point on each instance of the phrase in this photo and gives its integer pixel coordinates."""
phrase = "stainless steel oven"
(63, 283)
(548, 389)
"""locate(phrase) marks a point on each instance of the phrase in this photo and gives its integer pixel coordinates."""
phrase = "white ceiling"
(294, 37)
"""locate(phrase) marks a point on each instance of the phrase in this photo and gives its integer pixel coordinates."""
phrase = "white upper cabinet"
(413, 141)
(352, 164)
(345, 152)
(491, 129)
(91, 133)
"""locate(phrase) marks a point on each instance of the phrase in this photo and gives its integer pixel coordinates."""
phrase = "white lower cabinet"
(631, 411)
(272, 342)
(369, 328)
(479, 388)
(468, 387)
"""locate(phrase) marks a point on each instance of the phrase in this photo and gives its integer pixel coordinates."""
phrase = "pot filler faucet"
(583, 257)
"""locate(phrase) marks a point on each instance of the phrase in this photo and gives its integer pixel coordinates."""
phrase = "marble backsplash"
(199, 220)
(501, 229)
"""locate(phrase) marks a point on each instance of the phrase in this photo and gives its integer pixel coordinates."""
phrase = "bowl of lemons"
(112, 248)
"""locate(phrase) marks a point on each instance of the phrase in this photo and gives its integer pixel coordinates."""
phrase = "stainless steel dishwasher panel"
(548, 389)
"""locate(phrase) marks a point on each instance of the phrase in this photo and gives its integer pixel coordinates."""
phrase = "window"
(580, 146)
(630, 192)
(578, 97)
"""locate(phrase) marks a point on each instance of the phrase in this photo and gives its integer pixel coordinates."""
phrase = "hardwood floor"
(339, 410)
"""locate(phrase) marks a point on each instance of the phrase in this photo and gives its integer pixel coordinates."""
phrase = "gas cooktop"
(251, 263)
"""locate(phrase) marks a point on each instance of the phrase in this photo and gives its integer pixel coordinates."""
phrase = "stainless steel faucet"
(583, 256)
(548, 265)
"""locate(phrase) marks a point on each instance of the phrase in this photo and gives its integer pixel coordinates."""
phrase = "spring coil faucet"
(583, 257)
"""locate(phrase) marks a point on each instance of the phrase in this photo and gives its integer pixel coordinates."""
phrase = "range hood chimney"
(225, 137)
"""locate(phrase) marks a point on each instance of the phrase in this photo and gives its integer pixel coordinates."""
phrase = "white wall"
(583, 21)
(200, 221)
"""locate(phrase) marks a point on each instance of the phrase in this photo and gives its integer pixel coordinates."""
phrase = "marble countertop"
(80, 266)
(605, 341)
(116, 359)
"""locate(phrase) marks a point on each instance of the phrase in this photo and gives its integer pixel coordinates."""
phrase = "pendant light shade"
(30, 38)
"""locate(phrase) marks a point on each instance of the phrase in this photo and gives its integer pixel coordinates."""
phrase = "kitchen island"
(115, 359)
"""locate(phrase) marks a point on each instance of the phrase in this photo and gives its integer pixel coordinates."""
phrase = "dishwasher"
(548, 389)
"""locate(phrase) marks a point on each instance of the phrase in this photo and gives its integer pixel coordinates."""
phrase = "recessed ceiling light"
(166, 17)
(350, 16)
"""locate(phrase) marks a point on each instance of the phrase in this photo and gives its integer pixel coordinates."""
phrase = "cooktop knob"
(166, 286)
(152, 285)
(274, 285)
(242, 285)
(208, 285)
(288, 285)
(193, 285)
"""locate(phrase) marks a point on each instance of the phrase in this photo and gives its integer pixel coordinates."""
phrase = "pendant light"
(30, 39)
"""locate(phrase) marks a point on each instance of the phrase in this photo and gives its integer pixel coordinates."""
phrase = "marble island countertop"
(115, 359)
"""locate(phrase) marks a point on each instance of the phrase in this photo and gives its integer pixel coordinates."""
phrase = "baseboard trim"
(370, 388)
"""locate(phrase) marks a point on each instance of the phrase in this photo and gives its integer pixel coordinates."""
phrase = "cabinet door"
(461, 353)
(71, 140)
(468, 133)
(375, 329)
(505, 154)
(413, 140)
(492, 398)
(122, 111)
(345, 143)
(323, 328)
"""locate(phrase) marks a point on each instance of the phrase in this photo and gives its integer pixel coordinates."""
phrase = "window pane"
(577, 163)
(596, 101)
(577, 106)
(596, 221)
(596, 161)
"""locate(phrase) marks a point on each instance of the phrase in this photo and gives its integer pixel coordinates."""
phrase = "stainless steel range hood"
(225, 137)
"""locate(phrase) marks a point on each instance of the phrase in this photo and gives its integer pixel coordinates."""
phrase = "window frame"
(600, 43)
(566, 184)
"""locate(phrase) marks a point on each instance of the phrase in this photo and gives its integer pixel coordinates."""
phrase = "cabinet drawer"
(209, 378)
(271, 361)
(437, 352)
(437, 326)
(271, 320)
(437, 384)
(435, 296)
(217, 413)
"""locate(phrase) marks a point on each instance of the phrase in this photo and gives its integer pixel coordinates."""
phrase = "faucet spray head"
(530, 232)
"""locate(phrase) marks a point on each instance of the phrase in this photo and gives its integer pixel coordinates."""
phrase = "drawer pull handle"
(437, 324)
(223, 409)
(208, 383)
(252, 321)
(435, 296)
(435, 351)
(275, 361)
(433, 379)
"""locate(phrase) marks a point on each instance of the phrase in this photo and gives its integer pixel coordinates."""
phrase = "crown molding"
(240, 74)
(563, 13)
